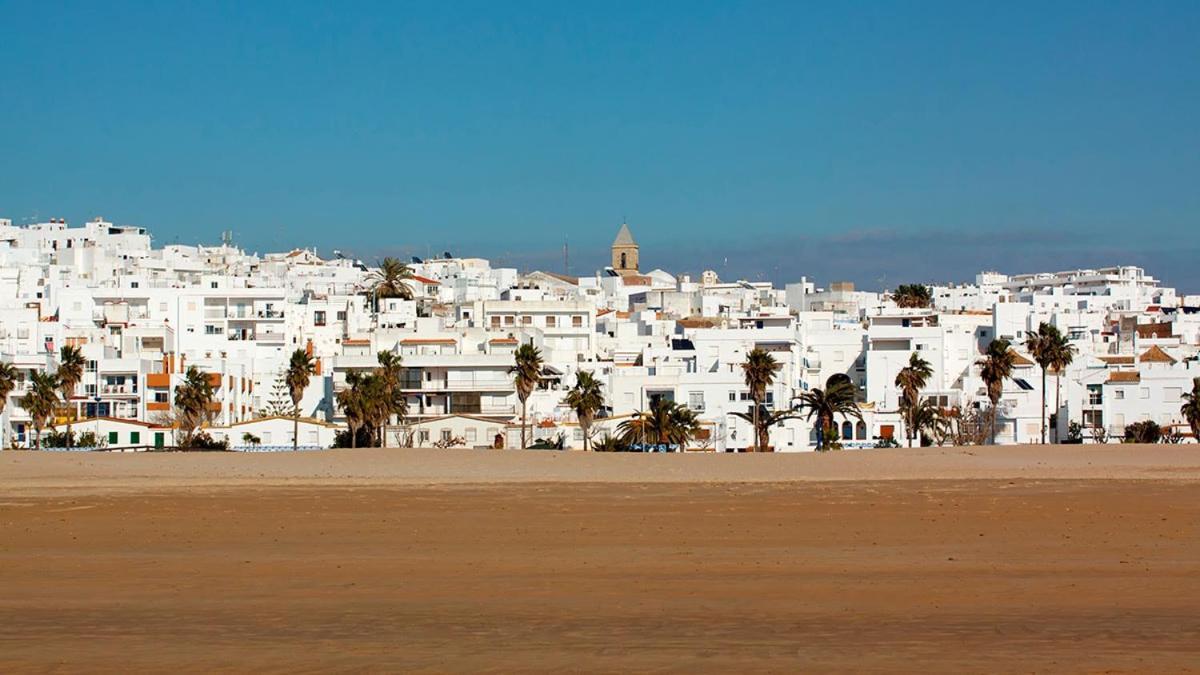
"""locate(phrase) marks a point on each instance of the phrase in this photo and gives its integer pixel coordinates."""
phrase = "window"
(470, 435)
(1119, 394)
(1144, 392)
(423, 436)
(551, 322)
(847, 430)
(319, 318)
(860, 431)
(112, 438)
(1093, 418)
(162, 397)
(1172, 394)
(732, 395)
(135, 437)
(577, 321)
(495, 321)
(446, 435)
(341, 315)
(527, 320)
(578, 434)
(696, 400)
(1023, 384)
(1095, 394)
(159, 439)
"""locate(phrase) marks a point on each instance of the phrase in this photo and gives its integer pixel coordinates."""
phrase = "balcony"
(158, 380)
(118, 390)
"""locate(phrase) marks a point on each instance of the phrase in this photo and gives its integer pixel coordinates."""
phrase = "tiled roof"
(1156, 355)
(428, 341)
(1123, 377)
(1019, 360)
(1154, 330)
(424, 280)
(1117, 360)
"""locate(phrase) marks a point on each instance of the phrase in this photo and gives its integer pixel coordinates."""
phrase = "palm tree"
(393, 400)
(300, 369)
(759, 371)
(911, 380)
(586, 399)
(665, 423)
(526, 372)
(928, 416)
(8, 382)
(40, 400)
(1041, 346)
(912, 295)
(193, 398)
(995, 368)
(353, 404)
(70, 372)
(1062, 354)
(389, 281)
(837, 398)
(1191, 408)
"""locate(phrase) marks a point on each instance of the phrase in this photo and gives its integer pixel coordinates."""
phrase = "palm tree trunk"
(757, 431)
(1057, 401)
(523, 409)
(1043, 406)
(295, 429)
(353, 437)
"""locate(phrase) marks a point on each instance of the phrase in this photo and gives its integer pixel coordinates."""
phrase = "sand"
(999, 560)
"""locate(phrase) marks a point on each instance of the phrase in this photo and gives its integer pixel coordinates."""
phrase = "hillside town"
(109, 341)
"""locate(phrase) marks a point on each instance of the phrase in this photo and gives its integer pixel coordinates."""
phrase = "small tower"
(625, 252)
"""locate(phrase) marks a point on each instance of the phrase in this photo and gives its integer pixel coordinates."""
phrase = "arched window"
(860, 431)
(847, 430)
(623, 264)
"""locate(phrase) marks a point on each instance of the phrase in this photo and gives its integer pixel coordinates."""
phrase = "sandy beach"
(982, 559)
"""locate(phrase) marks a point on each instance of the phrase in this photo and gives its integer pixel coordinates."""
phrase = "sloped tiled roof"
(1156, 355)
(1123, 377)
(1019, 360)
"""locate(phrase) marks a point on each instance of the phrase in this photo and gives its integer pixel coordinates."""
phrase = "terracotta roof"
(636, 280)
(1123, 377)
(503, 341)
(1117, 360)
(1019, 360)
(428, 341)
(698, 322)
(1154, 330)
(1156, 355)
(424, 280)
(603, 312)
(355, 342)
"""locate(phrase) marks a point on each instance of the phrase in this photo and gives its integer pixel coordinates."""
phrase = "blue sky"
(877, 142)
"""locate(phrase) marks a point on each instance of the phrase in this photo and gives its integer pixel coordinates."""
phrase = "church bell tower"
(625, 252)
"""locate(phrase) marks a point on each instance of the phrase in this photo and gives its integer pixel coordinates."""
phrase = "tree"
(586, 399)
(279, 403)
(759, 372)
(1052, 350)
(392, 400)
(928, 417)
(70, 372)
(911, 380)
(40, 401)
(996, 367)
(299, 371)
(837, 398)
(1190, 408)
(665, 423)
(527, 372)
(352, 402)
(912, 296)
(193, 400)
(371, 398)
(8, 382)
(389, 281)
(1146, 431)
(1063, 354)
